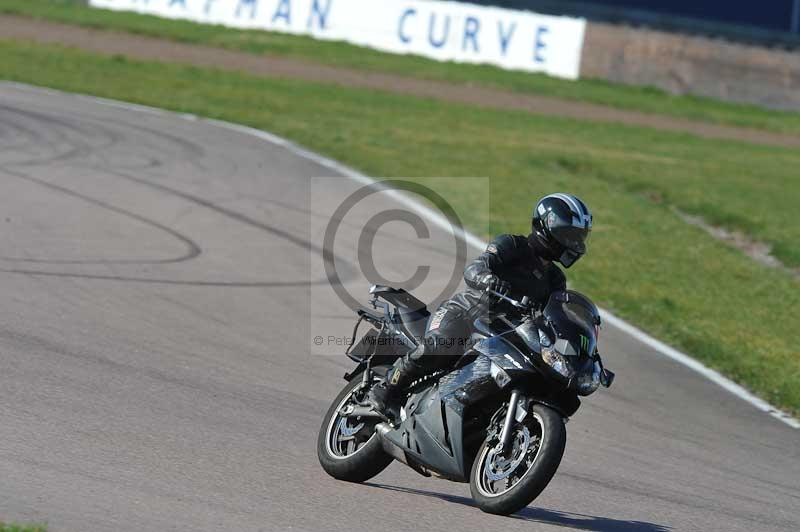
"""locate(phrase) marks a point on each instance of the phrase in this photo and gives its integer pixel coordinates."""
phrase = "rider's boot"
(386, 394)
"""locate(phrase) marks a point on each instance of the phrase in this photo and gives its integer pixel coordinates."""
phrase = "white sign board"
(447, 31)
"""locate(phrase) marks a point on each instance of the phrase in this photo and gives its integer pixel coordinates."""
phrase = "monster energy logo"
(585, 343)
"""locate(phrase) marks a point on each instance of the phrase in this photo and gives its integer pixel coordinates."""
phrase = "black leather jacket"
(513, 259)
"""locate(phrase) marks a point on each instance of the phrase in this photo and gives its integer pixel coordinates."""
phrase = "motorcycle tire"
(365, 462)
(534, 480)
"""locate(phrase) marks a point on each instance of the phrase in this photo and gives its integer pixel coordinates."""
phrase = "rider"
(512, 264)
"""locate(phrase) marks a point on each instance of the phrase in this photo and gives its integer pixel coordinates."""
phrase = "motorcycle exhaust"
(397, 452)
(389, 446)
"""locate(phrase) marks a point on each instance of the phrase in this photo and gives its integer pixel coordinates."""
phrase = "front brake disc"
(499, 467)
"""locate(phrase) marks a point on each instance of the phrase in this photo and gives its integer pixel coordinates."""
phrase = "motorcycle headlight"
(558, 363)
(589, 381)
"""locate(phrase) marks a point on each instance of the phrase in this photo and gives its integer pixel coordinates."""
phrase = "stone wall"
(688, 64)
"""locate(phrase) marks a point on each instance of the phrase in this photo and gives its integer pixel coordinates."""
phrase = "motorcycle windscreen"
(576, 320)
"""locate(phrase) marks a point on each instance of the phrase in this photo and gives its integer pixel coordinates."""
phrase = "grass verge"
(343, 55)
(21, 528)
(645, 263)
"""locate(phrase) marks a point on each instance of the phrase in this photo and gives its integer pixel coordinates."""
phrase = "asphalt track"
(161, 286)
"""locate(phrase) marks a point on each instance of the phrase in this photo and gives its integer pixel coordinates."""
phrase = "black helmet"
(560, 224)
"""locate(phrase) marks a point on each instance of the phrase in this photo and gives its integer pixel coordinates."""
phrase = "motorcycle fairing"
(503, 353)
(431, 434)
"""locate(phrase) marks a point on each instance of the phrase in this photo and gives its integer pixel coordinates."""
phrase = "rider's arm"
(500, 251)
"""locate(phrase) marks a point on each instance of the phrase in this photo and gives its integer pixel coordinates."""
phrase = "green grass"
(339, 54)
(644, 263)
(22, 528)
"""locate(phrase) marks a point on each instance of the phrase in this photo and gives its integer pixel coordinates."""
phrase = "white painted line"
(703, 370)
(440, 221)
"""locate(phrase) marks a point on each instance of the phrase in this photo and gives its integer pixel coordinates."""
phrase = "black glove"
(491, 282)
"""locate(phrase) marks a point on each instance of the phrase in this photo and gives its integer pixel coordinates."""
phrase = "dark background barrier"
(772, 22)
(770, 15)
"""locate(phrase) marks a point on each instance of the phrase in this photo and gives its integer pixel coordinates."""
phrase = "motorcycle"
(495, 420)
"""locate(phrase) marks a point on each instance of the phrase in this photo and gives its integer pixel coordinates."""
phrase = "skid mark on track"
(87, 141)
(192, 249)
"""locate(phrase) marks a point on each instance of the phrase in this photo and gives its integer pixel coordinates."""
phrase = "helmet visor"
(571, 237)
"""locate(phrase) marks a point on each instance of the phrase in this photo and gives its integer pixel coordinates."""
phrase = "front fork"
(517, 410)
(508, 422)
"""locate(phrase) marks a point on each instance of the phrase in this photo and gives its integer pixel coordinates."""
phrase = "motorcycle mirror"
(606, 378)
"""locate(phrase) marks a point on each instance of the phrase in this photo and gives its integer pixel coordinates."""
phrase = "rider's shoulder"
(504, 244)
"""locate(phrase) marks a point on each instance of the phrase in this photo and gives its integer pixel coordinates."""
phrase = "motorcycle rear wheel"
(345, 451)
(506, 483)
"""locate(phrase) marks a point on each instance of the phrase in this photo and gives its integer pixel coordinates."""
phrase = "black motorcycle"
(495, 420)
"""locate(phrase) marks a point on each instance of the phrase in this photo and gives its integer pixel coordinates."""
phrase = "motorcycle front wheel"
(348, 448)
(505, 482)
